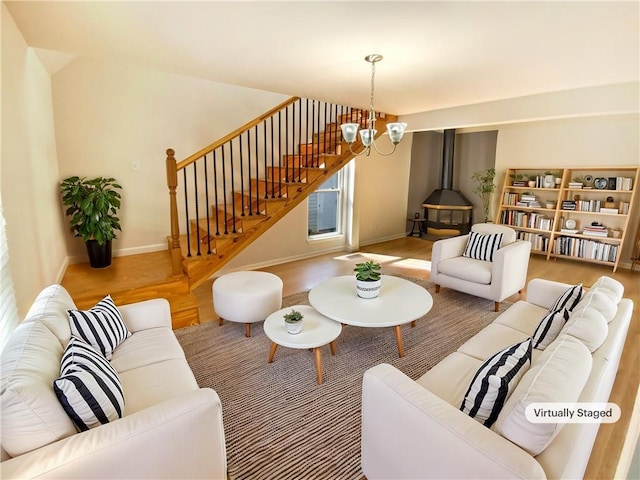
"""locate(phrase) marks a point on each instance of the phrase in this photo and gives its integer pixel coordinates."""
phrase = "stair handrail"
(247, 126)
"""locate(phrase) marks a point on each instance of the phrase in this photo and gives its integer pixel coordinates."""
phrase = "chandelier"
(367, 135)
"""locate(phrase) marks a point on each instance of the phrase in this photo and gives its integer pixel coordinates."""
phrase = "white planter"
(368, 289)
(294, 328)
(549, 181)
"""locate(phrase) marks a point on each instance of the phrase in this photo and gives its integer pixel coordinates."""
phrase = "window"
(325, 208)
(8, 311)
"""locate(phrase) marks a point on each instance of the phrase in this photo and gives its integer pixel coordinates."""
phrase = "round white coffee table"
(400, 302)
(317, 331)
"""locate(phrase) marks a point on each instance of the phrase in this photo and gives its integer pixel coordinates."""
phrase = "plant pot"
(99, 255)
(549, 181)
(368, 289)
(294, 328)
(532, 184)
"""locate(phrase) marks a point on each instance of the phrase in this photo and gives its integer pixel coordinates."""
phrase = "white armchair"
(495, 280)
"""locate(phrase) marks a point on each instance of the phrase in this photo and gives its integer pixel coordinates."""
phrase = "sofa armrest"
(509, 268)
(544, 293)
(179, 438)
(147, 314)
(410, 433)
(445, 249)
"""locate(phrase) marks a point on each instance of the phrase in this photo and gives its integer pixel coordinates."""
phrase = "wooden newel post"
(174, 240)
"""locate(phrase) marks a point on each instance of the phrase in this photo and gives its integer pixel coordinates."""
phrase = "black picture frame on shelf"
(612, 183)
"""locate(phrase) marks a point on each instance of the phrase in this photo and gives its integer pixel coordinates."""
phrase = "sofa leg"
(437, 288)
(247, 329)
(220, 321)
(497, 307)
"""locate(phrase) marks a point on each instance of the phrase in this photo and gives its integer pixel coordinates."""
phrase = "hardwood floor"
(615, 443)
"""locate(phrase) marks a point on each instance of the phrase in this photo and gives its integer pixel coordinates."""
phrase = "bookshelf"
(576, 213)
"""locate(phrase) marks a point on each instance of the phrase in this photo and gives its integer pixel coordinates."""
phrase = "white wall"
(109, 115)
(29, 167)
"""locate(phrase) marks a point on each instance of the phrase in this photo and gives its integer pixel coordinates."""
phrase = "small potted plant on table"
(367, 279)
(293, 321)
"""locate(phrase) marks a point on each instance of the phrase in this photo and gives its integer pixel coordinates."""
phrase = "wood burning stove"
(448, 212)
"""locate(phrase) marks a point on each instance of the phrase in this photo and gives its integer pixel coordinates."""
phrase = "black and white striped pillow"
(494, 380)
(549, 328)
(89, 388)
(482, 247)
(569, 299)
(102, 326)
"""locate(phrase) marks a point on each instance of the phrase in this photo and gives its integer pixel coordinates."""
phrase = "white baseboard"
(383, 239)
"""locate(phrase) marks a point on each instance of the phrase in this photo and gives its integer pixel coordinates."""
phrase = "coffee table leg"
(399, 340)
(272, 353)
(332, 346)
(318, 364)
(413, 324)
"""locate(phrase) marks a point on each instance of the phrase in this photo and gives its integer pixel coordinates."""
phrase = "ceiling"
(437, 54)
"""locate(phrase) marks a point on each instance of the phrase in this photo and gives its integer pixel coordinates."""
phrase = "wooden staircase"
(232, 216)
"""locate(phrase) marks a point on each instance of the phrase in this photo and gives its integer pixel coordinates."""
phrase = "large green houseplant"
(92, 208)
(485, 188)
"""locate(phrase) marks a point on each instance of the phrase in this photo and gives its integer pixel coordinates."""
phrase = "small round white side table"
(317, 331)
(246, 297)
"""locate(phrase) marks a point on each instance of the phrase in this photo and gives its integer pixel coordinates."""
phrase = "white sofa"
(170, 427)
(415, 429)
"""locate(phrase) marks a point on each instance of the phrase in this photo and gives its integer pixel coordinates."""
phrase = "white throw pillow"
(482, 247)
(587, 325)
(559, 375)
(89, 388)
(600, 300)
(493, 381)
(613, 287)
(101, 327)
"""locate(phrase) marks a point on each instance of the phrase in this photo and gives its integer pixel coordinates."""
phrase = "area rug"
(279, 423)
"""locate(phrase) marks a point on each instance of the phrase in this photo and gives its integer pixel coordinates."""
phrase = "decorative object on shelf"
(293, 321)
(93, 205)
(616, 232)
(368, 279)
(570, 223)
(588, 180)
(550, 204)
(367, 135)
(484, 189)
(549, 180)
(600, 183)
(517, 180)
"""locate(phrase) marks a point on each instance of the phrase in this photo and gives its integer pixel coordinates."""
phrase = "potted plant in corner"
(485, 188)
(293, 321)
(367, 279)
(92, 208)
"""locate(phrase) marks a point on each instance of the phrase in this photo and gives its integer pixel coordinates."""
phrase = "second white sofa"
(416, 430)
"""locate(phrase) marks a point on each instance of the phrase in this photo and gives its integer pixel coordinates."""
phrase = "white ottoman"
(246, 297)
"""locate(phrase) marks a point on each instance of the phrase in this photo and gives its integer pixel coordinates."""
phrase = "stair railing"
(230, 177)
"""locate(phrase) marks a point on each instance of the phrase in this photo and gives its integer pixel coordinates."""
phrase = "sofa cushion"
(602, 300)
(50, 307)
(549, 328)
(522, 316)
(450, 378)
(613, 287)
(558, 375)
(587, 325)
(509, 235)
(88, 388)
(152, 384)
(146, 347)
(476, 271)
(102, 326)
(569, 298)
(490, 339)
(31, 414)
(494, 380)
(482, 247)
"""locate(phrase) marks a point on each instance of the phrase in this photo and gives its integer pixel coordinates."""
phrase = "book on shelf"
(574, 185)
(568, 205)
(612, 211)
(623, 208)
(622, 183)
(519, 183)
(569, 230)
